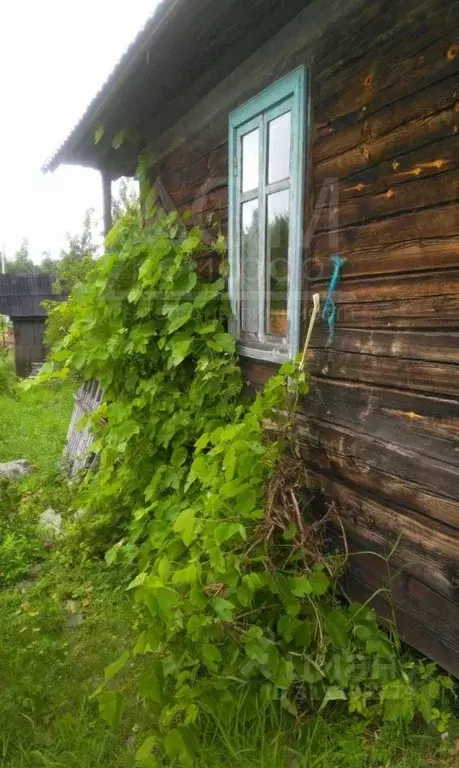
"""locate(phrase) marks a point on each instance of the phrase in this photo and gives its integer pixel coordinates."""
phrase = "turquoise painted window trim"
(288, 94)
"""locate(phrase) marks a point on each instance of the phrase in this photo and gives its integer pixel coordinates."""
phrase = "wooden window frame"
(265, 106)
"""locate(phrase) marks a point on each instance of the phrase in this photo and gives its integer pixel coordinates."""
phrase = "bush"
(21, 543)
(205, 494)
(60, 318)
(8, 379)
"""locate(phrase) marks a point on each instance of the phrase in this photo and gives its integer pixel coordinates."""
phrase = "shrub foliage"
(194, 492)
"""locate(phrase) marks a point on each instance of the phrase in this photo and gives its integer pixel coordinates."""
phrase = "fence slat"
(79, 441)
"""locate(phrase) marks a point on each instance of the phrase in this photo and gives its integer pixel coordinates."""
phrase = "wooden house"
(21, 298)
(311, 128)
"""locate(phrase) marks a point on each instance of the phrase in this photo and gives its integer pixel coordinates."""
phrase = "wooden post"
(107, 193)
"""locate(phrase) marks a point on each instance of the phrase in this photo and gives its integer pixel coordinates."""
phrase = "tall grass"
(34, 423)
(7, 375)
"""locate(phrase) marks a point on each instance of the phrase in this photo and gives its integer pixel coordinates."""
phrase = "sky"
(54, 56)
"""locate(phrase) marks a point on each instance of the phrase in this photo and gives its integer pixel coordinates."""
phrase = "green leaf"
(191, 242)
(194, 627)
(186, 575)
(185, 525)
(144, 752)
(285, 673)
(112, 670)
(225, 531)
(111, 706)
(300, 586)
(289, 705)
(180, 315)
(111, 555)
(164, 568)
(138, 581)
(206, 328)
(208, 293)
(290, 533)
(119, 139)
(319, 582)
(211, 656)
(98, 134)
(173, 744)
(226, 342)
(333, 693)
(179, 351)
(224, 609)
(287, 625)
(234, 488)
(337, 628)
(397, 698)
(167, 598)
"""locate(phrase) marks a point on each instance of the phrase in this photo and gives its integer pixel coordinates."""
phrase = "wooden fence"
(79, 440)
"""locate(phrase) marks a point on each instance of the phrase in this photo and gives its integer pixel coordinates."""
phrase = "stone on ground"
(14, 470)
(51, 521)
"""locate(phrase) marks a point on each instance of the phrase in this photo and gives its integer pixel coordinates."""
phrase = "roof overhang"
(184, 50)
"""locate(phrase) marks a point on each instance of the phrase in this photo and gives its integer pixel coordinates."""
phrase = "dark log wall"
(380, 430)
(28, 343)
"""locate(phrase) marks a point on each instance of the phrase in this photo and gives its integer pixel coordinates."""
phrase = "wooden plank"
(194, 147)
(427, 549)
(428, 223)
(427, 313)
(441, 347)
(186, 184)
(417, 606)
(383, 81)
(395, 416)
(256, 373)
(376, 28)
(415, 375)
(334, 139)
(414, 256)
(385, 469)
(209, 210)
(420, 163)
(383, 486)
(79, 440)
(406, 287)
(208, 174)
(419, 194)
(417, 132)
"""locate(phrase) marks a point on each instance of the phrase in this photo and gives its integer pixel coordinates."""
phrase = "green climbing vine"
(198, 493)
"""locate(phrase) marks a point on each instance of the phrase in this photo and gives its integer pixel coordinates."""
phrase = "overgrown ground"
(63, 618)
(33, 424)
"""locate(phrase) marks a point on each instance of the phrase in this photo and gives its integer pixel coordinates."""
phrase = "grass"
(34, 423)
(60, 628)
(49, 667)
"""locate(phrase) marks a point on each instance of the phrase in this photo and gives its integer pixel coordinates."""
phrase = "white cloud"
(54, 56)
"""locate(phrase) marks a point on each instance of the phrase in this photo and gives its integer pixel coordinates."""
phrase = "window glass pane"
(249, 266)
(250, 160)
(279, 142)
(277, 239)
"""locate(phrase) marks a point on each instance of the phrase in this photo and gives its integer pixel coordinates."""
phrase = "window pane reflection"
(250, 160)
(279, 131)
(277, 241)
(249, 266)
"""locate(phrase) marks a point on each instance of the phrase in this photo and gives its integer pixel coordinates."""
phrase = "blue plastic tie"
(329, 309)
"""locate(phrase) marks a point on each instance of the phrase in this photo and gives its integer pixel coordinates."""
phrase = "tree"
(22, 264)
(127, 196)
(49, 266)
(77, 257)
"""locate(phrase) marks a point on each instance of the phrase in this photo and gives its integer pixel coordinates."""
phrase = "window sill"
(265, 355)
